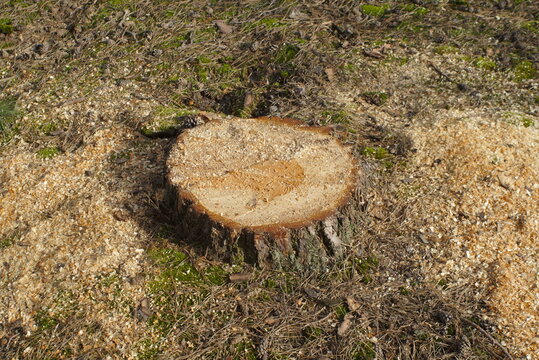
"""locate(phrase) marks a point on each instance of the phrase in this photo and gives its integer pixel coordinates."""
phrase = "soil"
(438, 101)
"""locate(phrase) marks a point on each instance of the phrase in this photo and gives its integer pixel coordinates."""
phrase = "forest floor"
(439, 100)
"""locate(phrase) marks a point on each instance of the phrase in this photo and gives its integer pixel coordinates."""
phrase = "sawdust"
(76, 250)
(477, 203)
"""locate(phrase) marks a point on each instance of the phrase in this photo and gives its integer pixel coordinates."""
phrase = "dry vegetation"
(439, 100)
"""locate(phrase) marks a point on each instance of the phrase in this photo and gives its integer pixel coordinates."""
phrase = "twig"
(471, 323)
(7, 79)
(460, 86)
(71, 101)
(441, 73)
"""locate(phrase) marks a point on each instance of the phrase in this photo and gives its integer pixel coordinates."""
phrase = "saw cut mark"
(267, 180)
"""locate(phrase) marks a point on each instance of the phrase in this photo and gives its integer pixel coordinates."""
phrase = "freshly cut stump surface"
(265, 190)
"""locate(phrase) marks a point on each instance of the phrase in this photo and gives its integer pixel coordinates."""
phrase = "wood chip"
(239, 277)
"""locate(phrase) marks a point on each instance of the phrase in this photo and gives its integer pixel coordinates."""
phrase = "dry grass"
(89, 264)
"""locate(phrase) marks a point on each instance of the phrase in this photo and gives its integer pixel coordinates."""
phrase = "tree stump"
(268, 191)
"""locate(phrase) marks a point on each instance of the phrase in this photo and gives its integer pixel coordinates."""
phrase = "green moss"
(392, 60)
(484, 63)
(48, 152)
(216, 275)
(148, 349)
(48, 128)
(446, 49)
(224, 69)
(176, 266)
(518, 119)
(336, 117)
(378, 153)
(268, 23)
(364, 351)
(459, 2)
(525, 70)
(374, 10)
(166, 118)
(286, 53)
(270, 284)
(175, 42)
(375, 97)
(271, 23)
(365, 266)
(527, 122)
(403, 290)
(7, 242)
(419, 11)
(6, 26)
(169, 13)
(175, 288)
(205, 34)
(8, 115)
(168, 112)
(119, 4)
(44, 321)
(244, 350)
(204, 60)
(5, 45)
(312, 332)
(443, 283)
(108, 280)
(120, 156)
(412, 26)
(101, 15)
(532, 26)
(340, 311)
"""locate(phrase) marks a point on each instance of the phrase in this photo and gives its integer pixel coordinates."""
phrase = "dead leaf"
(296, 14)
(143, 311)
(223, 27)
(345, 325)
(353, 304)
(330, 73)
(248, 100)
(271, 320)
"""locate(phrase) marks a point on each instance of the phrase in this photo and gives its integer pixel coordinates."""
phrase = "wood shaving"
(478, 204)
